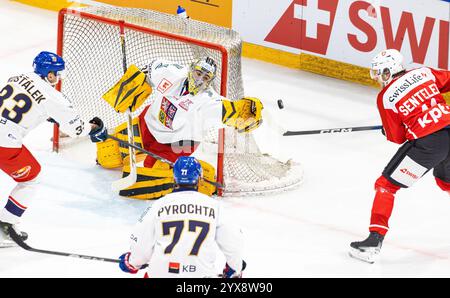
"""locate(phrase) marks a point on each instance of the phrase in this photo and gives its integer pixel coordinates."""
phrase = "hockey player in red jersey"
(26, 101)
(414, 114)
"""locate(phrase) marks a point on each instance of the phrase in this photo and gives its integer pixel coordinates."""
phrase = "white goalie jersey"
(177, 237)
(26, 101)
(175, 115)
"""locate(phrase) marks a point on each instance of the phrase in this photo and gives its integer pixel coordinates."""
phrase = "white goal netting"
(90, 44)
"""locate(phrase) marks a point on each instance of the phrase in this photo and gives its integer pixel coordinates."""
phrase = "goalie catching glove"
(243, 114)
(129, 92)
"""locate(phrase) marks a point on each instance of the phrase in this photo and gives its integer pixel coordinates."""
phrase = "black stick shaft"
(141, 149)
(332, 130)
(16, 238)
(216, 184)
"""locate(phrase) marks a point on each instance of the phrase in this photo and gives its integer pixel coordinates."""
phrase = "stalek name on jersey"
(27, 101)
(28, 85)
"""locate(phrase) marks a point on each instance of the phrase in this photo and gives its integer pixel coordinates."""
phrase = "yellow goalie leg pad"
(130, 91)
(108, 154)
(112, 154)
(243, 114)
(151, 183)
(122, 133)
(158, 181)
(209, 173)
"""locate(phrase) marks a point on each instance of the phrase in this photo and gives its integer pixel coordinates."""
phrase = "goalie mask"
(386, 65)
(201, 74)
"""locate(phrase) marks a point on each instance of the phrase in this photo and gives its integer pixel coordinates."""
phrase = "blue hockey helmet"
(46, 62)
(187, 171)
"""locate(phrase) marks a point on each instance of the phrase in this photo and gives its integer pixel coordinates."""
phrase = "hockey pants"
(412, 160)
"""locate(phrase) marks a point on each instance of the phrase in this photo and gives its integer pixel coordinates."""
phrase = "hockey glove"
(125, 266)
(243, 114)
(229, 272)
(99, 132)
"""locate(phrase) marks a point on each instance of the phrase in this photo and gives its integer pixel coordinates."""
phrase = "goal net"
(89, 42)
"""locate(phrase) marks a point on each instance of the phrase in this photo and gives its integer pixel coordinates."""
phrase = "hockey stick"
(332, 130)
(131, 178)
(275, 125)
(17, 239)
(141, 149)
(156, 156)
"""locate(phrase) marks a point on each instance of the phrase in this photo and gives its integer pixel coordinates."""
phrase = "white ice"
(301, 233)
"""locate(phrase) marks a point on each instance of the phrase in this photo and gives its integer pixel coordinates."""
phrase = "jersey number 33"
(21, 105)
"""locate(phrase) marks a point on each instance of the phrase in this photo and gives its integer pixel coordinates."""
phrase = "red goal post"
(88, 40)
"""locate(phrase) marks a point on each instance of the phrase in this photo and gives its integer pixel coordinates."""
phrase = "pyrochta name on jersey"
(177, 209)
(28, 85)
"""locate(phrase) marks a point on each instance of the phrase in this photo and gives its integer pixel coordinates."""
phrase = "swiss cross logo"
(310, 23)
(164, 85)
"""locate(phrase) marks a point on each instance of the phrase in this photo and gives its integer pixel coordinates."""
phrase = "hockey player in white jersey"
(185, 103)
(26, 101)
(176, 236)
(184, 106)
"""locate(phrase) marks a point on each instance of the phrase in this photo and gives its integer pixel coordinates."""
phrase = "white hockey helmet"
(385, 65)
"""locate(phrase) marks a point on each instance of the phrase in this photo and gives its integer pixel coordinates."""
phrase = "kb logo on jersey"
(175, 268)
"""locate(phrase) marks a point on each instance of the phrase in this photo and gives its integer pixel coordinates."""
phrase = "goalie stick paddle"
(216, 184)
(332, 130)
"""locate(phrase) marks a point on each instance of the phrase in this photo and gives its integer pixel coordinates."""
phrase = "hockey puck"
(280, 104)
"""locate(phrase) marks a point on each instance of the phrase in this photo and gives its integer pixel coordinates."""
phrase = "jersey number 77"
(178, 225)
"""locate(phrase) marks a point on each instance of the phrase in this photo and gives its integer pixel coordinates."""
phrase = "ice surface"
(302, 233)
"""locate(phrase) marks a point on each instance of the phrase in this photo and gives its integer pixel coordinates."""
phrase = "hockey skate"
(6, 229)
(367, 250)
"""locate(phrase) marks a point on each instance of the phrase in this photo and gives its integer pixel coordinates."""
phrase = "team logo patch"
(164, 85)
(185, 104)
(22, 173)
(407, 172)
(167, 112)
(174, 267)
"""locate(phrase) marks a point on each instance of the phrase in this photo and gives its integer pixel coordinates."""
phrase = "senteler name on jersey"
(187, 208)
(28, 84)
